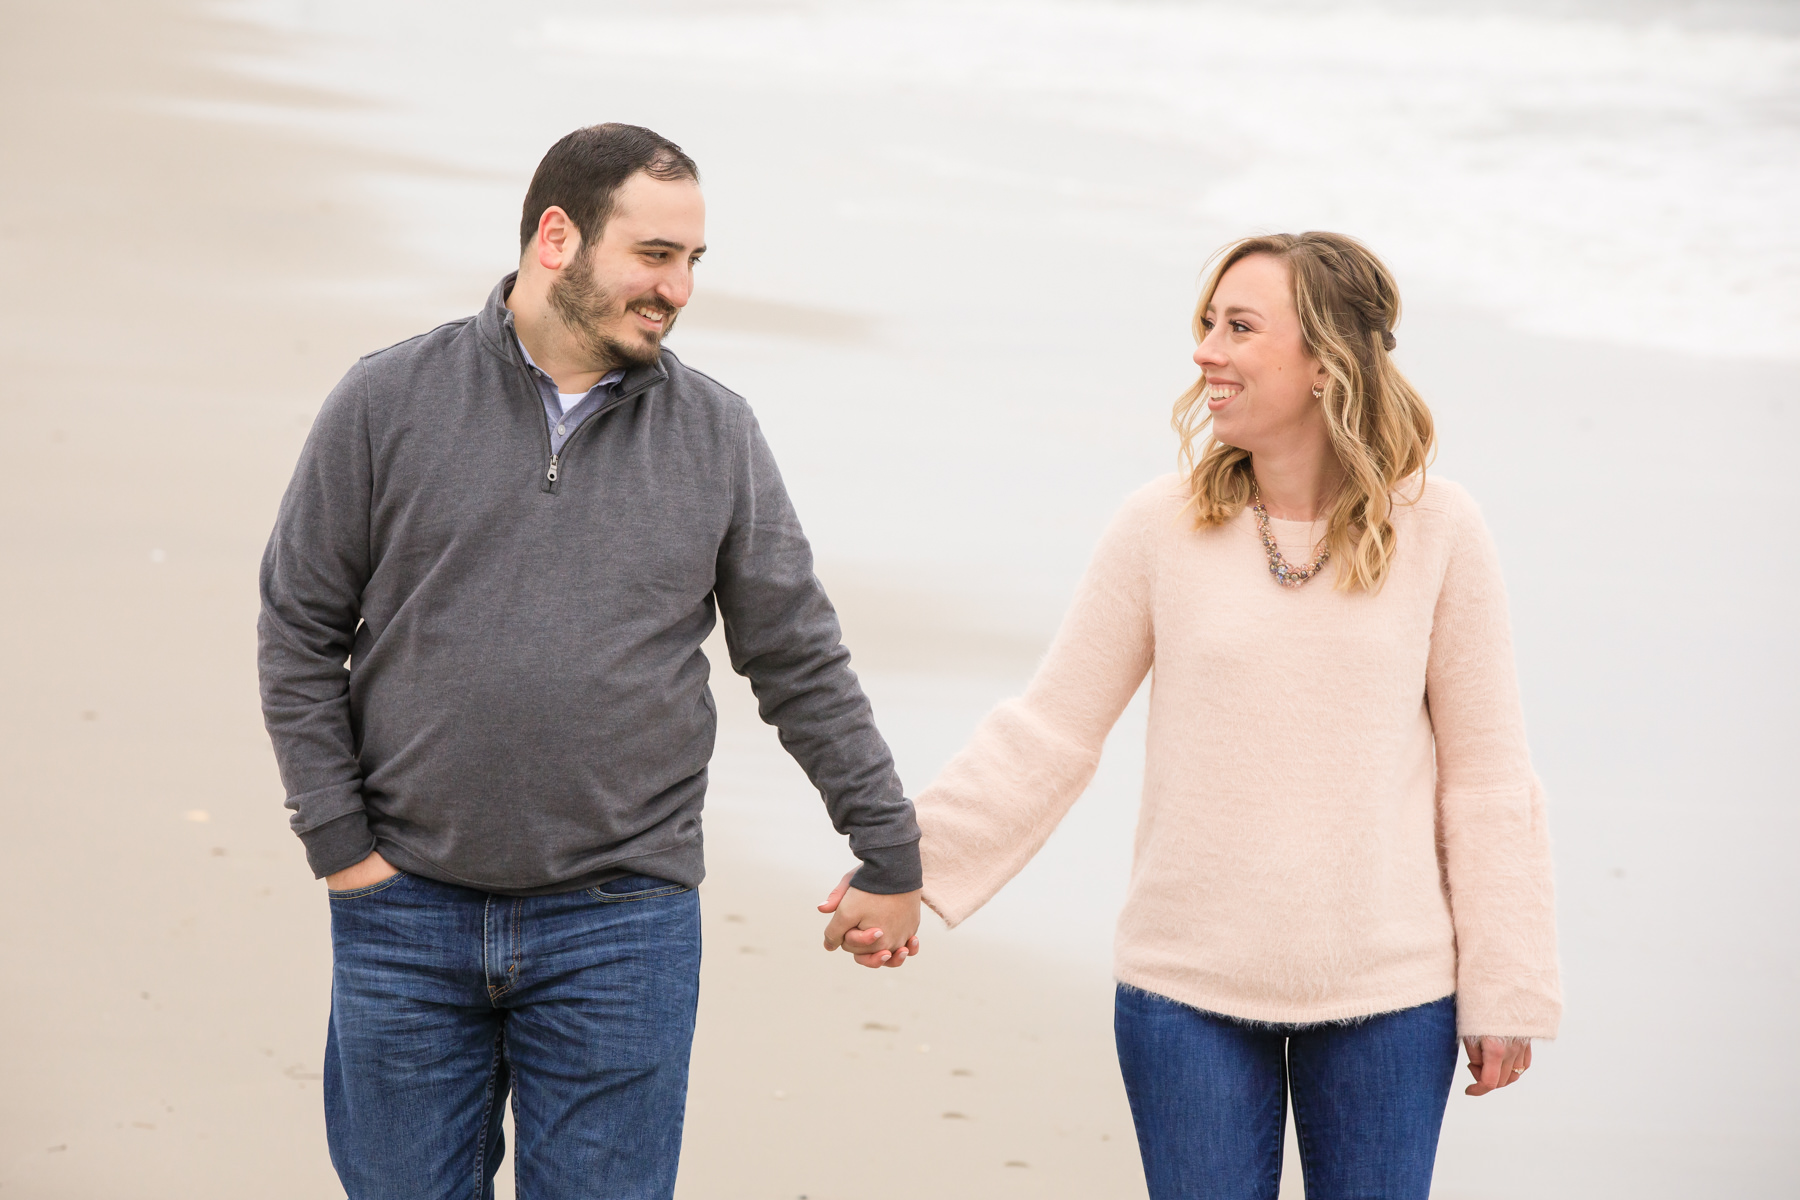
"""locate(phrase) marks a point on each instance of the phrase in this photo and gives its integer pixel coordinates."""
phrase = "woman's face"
(1259, 377)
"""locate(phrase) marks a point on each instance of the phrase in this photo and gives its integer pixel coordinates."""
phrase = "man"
(483, 605)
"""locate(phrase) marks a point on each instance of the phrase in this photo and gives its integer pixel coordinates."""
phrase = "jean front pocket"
(372, 889)
(635, 887)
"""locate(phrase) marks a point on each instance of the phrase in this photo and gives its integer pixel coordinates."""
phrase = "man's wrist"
(338, 844)
(889, 870)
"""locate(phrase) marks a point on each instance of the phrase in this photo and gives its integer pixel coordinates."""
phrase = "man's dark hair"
(584, 171)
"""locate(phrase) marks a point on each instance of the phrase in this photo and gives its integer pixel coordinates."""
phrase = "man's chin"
(635, 349)
(646, 352)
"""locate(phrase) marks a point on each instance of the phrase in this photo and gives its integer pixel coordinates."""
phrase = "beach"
(957, 298)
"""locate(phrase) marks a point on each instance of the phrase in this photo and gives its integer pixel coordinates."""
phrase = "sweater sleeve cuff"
(889, 870)
(337, 844)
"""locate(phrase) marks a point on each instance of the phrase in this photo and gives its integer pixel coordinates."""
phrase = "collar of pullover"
(495, 325)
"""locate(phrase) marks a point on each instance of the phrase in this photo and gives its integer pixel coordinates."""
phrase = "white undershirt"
(569, 400)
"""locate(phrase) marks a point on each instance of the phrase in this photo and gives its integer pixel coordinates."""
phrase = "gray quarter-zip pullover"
(482, 658)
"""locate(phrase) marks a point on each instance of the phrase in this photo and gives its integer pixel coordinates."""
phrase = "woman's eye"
(1240, 327)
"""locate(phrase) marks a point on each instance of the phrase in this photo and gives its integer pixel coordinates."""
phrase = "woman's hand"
(863, 940)
(1496, 1062)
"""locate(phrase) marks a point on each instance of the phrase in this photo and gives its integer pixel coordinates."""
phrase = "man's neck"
(554, 347)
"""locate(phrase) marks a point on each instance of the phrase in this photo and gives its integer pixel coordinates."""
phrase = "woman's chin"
(1225, 435)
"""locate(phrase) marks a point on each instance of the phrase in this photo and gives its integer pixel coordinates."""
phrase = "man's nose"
(676, 288)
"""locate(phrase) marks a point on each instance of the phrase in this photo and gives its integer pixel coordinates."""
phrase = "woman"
(1341, 862)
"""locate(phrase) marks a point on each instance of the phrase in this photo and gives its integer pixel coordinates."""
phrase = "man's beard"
(587, 308)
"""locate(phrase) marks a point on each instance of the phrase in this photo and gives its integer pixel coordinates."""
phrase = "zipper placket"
(553, 472)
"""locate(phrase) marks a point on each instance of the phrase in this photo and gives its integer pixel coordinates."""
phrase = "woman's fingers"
(910, 950)
(1496, 1062)
(1487, 1068)
(879, 958)
(837, 894)
(1509, 1058)
(1518, 1059)
(1493, 1062)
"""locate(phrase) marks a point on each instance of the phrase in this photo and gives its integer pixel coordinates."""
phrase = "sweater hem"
(1330, 1013)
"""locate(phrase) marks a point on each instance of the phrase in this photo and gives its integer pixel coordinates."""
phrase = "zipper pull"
(550, 475)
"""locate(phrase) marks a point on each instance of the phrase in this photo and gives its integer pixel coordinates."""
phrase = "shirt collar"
(607, 380)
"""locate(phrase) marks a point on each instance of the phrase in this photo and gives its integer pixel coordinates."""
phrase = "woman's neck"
(1297, 484)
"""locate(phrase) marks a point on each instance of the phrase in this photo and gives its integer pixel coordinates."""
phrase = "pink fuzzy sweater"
(1339, 814)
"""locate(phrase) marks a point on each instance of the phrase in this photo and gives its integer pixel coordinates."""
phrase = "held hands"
(1496, 1062)
(878, 931)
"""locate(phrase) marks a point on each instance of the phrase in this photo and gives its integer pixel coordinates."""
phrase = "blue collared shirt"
(564, 424)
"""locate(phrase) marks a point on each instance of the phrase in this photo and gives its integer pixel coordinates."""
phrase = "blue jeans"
(445, 999)
(1209, 1098)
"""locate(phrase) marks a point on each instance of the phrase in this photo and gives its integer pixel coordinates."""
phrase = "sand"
(182, 293)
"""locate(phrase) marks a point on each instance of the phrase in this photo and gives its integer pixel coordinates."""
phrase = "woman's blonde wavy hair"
(1379, 425)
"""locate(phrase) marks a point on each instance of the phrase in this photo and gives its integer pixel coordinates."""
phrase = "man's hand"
(1496, 1062)
(878, 931)
(367, 873)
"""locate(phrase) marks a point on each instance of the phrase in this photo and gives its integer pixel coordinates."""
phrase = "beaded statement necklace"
(1286, 575)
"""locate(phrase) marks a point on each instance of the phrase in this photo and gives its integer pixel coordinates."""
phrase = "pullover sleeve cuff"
(889, 870)
(337, 844)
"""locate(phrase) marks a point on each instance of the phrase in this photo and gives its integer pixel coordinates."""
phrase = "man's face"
(621, 295)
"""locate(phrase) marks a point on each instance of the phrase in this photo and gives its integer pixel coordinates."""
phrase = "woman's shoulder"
(1441, 513)
(1439, 500)
(1166, 493)
(1156, 507)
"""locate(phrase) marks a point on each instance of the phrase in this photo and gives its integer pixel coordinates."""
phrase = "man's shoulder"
(691, 384)
(448, 338)
(450, 359)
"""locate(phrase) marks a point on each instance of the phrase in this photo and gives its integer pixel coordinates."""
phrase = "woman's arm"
(1490, 805)
(998, 800)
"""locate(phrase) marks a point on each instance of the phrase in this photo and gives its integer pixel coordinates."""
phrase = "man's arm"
(784, 636)
(313, 573)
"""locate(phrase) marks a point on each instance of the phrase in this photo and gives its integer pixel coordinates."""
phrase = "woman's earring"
(1318, 391)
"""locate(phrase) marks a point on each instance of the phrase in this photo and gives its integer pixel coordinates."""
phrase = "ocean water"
(954, 253)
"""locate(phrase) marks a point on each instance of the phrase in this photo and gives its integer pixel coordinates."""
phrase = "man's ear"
(558, 242)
